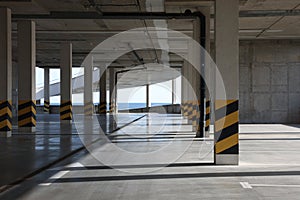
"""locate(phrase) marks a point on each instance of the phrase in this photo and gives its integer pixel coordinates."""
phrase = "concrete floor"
(269, 165)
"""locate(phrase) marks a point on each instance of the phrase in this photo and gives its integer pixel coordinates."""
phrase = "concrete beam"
(88, 86)
(66, 82)
(46, 90)
(26, 82)
(227, 60)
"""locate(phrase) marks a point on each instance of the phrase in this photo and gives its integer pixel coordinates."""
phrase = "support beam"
(112, 90)
(66, 83)
(147, 97)
(102, 85)
(26, 82)
(184, 89)
(6, 73)
(88, 86)
(227, 60)
(46, 90)
(173, 91)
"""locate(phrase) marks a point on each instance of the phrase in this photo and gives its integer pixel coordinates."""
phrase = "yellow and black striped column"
(194, 113)
(226, 127)
(102, 108)
(88, 109)
(112, 107)
(207, 115)
(5, 116)
(66, 110)
(27, 114)
(47, 106)
(189, 110)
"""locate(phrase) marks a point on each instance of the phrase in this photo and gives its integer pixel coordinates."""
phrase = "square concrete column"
(147, 98)
(66, 82)
(184, 88)
(227, 60)
(173, 91)
(46, 90)
(112, 91)
(88, 86)
(26, 82)
(195, 98)
(102, 85)
(6, 73)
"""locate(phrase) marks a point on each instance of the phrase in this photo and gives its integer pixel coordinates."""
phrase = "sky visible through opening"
(159, 94)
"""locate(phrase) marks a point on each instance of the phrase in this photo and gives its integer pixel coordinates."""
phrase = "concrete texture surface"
(269, 81)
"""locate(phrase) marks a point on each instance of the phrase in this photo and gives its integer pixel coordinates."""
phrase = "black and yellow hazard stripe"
(102, 108)
(47, 106)
(111, 107)
(88, 108)
(65, 110)
(27, 113)
(226, 127)
(5, 116)
(207, 115)
(189, 111)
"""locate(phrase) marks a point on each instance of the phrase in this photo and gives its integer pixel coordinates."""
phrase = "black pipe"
(200, 132)
(110, 15)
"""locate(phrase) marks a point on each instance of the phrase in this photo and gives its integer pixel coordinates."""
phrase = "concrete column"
(46, 90)
(184, 88)
(66, 82)
(112, 91)
(26, 82)
(227, 57)
(88, 86)
(6, 73)
(173, 91)
(195, 77)
(102, 85)
(147, 97)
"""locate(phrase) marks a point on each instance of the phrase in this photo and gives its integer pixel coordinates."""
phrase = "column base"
(27, 129)
(206, 134)
(66, 121)
(5, 134)
(227, 159)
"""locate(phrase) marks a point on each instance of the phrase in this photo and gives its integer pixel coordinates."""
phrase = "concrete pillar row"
(26, 77)
(46, 90)
(66, 82)
(6, 73)
(88, 86)
(102, 85)
(226, 126)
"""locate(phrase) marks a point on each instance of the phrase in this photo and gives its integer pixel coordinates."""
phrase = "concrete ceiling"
(259, 19)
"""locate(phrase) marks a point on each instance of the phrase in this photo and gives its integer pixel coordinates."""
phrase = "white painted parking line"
(246, 185)
(56, 176)
(60, 174)
(272, 185)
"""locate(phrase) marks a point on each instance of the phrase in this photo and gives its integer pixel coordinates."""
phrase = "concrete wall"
(270, 81)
